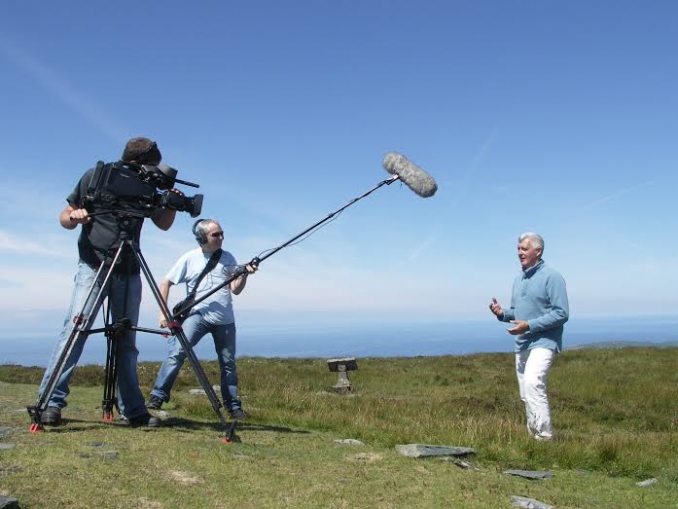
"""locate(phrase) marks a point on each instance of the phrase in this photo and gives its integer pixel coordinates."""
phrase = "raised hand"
(496, 308)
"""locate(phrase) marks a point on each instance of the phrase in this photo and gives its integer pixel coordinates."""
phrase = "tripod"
(83, 326)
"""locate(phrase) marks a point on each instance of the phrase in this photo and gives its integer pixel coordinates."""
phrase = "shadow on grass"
(183, 425)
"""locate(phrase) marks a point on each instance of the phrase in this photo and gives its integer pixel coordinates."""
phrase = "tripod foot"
(108, 417)
(36, 427)
(230, 434)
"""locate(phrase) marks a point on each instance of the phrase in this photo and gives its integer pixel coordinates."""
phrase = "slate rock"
(529, 503)
(459, 463)
(647, 482)
(5, 430)
(215, 388)
(348, 441)
(163, 415)
(8, 503)
(530, 474)
(423, 450)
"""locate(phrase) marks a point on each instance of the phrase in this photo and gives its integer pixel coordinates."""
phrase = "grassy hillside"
(615, 412)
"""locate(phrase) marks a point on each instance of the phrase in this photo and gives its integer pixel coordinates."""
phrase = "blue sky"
(556, 117)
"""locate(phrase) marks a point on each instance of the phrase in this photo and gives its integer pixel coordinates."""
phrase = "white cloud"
(13, 243)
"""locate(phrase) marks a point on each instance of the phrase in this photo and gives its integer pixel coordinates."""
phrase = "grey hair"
(204, 225)
(535, 239)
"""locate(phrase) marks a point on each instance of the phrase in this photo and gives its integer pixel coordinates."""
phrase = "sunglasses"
(217, 234)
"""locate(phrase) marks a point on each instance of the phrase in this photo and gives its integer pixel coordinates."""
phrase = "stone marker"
(341, 367)
(423, 450)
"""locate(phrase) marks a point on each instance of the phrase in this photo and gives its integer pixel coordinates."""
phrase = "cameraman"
(99, 237)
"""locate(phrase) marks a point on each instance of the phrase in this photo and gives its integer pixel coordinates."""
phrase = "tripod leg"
(81, 326)
(230, 433)
(190, 354)
(110, 379)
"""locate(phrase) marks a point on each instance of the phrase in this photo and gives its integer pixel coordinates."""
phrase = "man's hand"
(71, 217)
(80, 216)
(162, 320)
(520, 327)
(496, 308)
(164, 293)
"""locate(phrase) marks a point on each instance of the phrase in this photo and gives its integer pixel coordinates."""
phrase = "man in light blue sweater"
(539, 308)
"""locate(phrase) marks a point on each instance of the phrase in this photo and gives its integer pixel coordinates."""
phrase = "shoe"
(51, 416)
(154, 403)
(144, 420)
(239, 414)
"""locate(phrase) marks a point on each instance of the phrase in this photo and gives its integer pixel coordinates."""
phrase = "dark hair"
(142, 151)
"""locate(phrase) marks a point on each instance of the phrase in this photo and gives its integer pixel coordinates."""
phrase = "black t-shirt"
(102, 235)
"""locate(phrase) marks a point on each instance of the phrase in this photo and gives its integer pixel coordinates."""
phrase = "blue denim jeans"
(130, 399)
(195, 327)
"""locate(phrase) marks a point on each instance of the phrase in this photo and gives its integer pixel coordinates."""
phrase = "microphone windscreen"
(414, 177)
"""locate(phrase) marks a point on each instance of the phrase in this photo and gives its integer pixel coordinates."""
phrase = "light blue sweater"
(539, 297)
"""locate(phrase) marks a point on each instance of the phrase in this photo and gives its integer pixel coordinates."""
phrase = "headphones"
(199, 234)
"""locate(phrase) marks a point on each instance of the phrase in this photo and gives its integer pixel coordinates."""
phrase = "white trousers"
(532, 366)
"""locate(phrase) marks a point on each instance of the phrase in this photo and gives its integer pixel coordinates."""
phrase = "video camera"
(132, 187)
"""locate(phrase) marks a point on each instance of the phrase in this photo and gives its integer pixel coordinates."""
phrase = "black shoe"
(239, 414)
(144, 420)
(51, 416)
(154, 403)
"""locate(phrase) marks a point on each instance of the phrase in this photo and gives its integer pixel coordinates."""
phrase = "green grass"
(614, 410)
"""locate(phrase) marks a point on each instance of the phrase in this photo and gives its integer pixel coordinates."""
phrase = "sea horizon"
(364, 340)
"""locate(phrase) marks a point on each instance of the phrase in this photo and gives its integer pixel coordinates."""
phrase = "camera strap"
(208, 268)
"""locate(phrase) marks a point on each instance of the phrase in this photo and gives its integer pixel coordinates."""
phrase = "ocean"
(365, 340)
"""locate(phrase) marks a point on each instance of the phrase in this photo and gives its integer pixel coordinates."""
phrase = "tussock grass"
(614, 410)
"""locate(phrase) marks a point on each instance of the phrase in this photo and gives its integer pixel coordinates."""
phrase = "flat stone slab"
(162, 414)
(647, 482)
(530, 474)
(529, 503)
(423, 450)
(5, 430)
(348, 441)
(8, 503)
(459, 463)
(197, 392)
